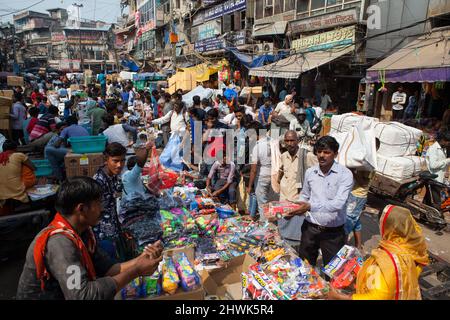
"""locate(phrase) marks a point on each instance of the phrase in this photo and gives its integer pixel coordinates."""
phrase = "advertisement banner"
(224, 8)
(326, 40)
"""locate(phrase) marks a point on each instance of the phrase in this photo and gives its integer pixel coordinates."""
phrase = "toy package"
(345, 254)
(170, 276)
(296, 278)
(151, 285)
(251, 289)
(277, 209)
(133, 290)
(267, 284)
(344, 267)
(190, 280)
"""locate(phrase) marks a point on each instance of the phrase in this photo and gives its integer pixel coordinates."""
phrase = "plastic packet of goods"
(150, 284)
(345, 254)
(190, 280)
(170, 276)
(133, 290)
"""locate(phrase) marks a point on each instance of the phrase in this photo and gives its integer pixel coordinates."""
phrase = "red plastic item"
(347, 275)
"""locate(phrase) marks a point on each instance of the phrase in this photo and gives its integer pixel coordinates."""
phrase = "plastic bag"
(170, 277)
(152, 170)
(171, 158)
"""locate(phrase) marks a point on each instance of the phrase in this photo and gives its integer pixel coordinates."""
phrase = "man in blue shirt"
(56, 149)
(325, 192)
(265, 111)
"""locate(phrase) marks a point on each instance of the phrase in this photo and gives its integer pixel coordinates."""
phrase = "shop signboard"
(209, 45)
(238, 38)
(58, 37)
(224, 8)
(209, 29)
(325, 40)
(325, 21)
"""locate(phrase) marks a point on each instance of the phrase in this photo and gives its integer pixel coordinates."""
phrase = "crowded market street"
(225, 150)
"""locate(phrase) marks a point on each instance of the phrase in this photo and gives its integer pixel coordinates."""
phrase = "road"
(11, 269)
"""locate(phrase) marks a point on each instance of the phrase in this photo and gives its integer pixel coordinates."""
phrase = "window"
(302, 5)
(289, 5)
(317, 4)
(178, 4)
(278, 4)
(259, 9)
(243, 19)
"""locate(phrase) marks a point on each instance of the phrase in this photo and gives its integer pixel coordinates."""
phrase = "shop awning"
(426, 59)
(293, 66)
(269, 29)
(250, 62)
(203, 71)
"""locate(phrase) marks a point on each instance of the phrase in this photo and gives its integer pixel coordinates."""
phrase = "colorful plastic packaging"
(277, 209)
(189, 279)
(170, 276)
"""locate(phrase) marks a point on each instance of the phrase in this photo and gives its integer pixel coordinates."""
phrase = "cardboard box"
(7, 93)
(74, 87)
(225, 282)
(83, 164)
(14, 81)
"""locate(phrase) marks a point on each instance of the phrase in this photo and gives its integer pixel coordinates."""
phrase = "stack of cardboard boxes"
(83, 164)
(6, 101)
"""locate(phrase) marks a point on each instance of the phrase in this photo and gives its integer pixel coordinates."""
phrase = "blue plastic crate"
(43, 168)
(89, 144)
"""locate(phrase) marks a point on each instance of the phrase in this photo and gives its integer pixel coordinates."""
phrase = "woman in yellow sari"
(392, 271)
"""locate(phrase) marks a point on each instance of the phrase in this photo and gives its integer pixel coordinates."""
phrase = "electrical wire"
(7, 14)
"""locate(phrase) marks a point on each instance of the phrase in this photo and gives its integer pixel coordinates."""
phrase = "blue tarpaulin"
(131, 65)
(258, 61)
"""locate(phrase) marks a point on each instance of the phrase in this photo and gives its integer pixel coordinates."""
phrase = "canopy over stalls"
(426, 59)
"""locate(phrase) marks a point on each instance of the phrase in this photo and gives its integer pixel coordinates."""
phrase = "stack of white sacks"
(357, 147)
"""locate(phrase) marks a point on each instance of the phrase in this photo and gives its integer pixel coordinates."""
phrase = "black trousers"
(18, 137)
(329, 241)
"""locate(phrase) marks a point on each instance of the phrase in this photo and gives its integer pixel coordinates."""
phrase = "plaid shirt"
(108, 227)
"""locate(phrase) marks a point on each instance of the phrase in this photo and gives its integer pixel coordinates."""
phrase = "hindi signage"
(209, 45)
(325, 21)
(326, 40)
(224, 8)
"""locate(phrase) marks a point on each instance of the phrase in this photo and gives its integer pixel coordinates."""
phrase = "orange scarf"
(60, 225)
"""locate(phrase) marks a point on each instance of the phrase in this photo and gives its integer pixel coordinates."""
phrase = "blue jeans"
(56, 158)
(264, 193)
(354, 208)
(228, 195)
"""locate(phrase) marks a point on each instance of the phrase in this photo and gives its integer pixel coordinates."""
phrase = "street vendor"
(15, 168)
(224, 185)
(107, 232)
(393, 269)
(284, 107)
(325, 192)
(64, 260)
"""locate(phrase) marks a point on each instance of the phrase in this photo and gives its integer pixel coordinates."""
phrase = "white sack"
(344, 122)
(397, 139)
(203, 93)
(357, 149)
(400, 167)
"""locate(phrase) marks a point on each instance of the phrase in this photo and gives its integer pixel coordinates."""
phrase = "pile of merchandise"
(174, 272)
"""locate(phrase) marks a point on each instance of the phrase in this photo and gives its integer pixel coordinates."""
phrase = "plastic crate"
(43, 168)
(89, 144)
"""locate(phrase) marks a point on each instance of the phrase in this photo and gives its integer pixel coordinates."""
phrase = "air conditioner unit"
(258, 48)
(268, 3)
(267, 47)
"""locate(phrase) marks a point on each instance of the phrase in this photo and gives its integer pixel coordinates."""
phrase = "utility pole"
(13, 32)
(174, 49)
(79, 33)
